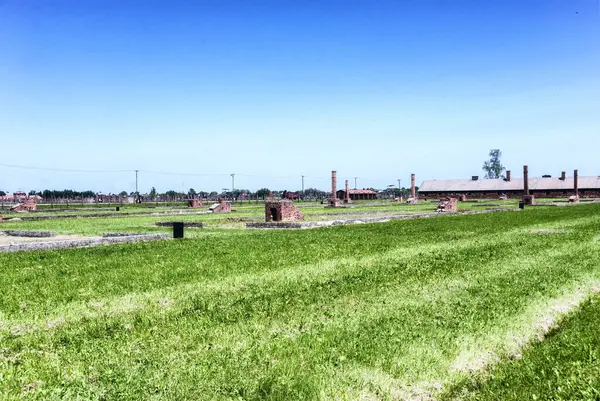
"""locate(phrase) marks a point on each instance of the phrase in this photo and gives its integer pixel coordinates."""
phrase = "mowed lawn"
(566, 366)
(398, 310)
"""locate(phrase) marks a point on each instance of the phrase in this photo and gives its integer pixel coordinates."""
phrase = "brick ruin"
(413, 193)
(334, 201)
(221, 207)
(26, 205)
(195, 203)
(283, 210)
(447, 205)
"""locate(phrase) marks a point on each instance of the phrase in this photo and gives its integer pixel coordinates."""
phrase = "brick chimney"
(563, 175)
(525, 180)
(507, 175)
(347, 200)
(333, 184)
(413, 193)
(575, 182)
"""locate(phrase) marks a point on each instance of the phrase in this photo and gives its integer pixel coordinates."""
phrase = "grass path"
(396, 310)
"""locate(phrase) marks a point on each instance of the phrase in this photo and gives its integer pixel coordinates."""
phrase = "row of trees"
(153, 194)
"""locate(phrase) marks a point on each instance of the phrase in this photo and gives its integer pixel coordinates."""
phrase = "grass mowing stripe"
(61, 275)
(565, 366)
(355, 269)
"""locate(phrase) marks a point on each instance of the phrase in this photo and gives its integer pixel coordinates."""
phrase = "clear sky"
(272, 90)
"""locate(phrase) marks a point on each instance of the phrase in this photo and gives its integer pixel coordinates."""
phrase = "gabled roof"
(359, 191)
(515, 184)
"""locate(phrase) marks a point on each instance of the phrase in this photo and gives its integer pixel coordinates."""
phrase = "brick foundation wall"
(221, 207)
(528, 199)
(24, 206)
(284, 211)
(195, 203)
(447, 205)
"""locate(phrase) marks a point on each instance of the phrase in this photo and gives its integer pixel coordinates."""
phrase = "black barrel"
(118, 208)
(177, 229)
(521, 205)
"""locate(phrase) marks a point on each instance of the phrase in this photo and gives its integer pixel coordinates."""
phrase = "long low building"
(357, 194)
(545, 187)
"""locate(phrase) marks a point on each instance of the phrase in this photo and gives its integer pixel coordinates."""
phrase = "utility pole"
(399, 187)
(136, 183)
(232, 183)
(355, 182)
(302, 186)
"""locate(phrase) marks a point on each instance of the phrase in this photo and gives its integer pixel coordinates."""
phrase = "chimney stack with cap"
(333, 184)
(347, 200)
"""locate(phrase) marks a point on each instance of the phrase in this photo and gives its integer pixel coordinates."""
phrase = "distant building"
(357, 194)
(544, 187)
(108, 198)
(292, 195)
(20, 196)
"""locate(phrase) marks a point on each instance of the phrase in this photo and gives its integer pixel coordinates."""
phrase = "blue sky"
(272, 90)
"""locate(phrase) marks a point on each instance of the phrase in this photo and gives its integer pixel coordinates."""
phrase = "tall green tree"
(492, 167)
(263, 193)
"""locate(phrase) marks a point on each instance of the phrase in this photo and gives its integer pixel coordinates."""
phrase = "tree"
(191, 193)
(2, 193)
(123, 194)
(493, 168)
(153, 193)
(263, 193)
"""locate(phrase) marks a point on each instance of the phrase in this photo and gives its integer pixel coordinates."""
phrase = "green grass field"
(566, 366)
(436, 307)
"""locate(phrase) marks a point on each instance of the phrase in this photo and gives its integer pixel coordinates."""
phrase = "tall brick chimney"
(575, 183)
(413, 193)
(525, 180)
(333, 184)
(347, 200)
(563, 175)
(507, 175)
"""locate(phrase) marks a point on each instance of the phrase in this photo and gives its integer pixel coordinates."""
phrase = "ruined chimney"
(563, 175)
(413, 193)
(347, 193)
(507, 175)
(333, 184)
(575, 183)
(525, 180)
